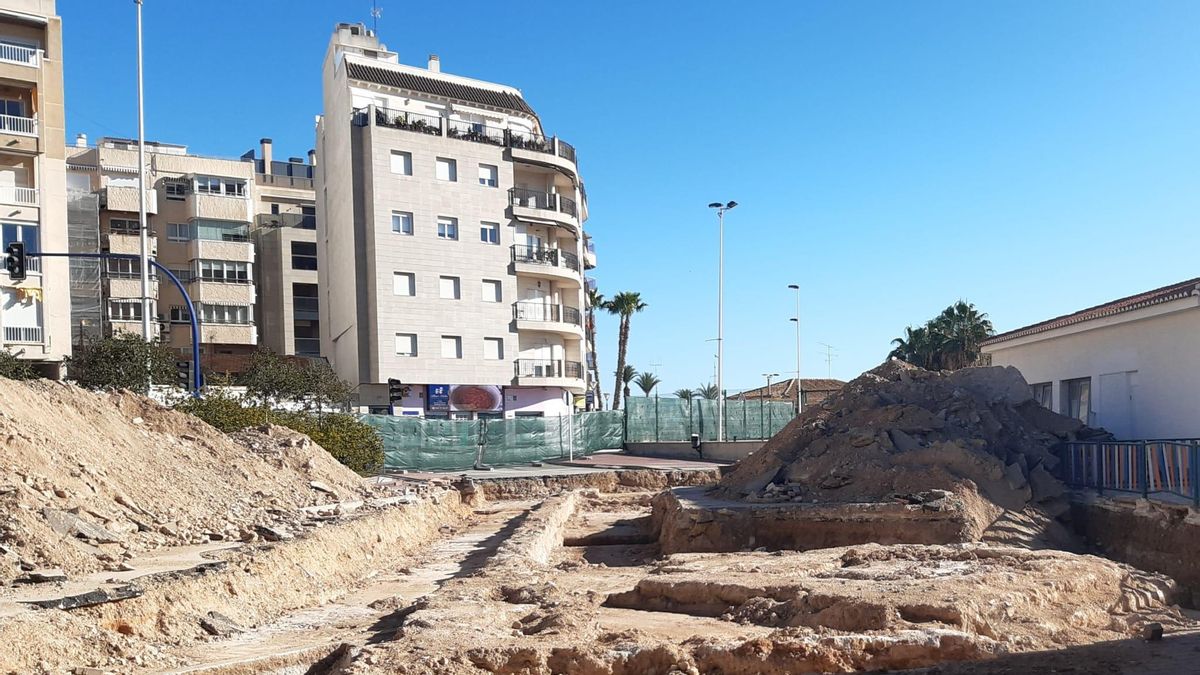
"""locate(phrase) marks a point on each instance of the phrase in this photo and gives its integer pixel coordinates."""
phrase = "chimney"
(81, 140)
(266, 154)
(435, 64)
(312, 157)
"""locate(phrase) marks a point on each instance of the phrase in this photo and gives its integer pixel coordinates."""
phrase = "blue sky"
(1032, 157)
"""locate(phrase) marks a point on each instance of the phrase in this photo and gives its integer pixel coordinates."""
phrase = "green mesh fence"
(453, 445)
(653, 420)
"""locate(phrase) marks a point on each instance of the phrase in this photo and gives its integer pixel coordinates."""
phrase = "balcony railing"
(541, 255)
(33, 264)
(23, 126)
(566, 151)
(567, 205)
(530, 141)
(303, 221)
(20, 196)
(540, 311)
(548, 368)
(284, 181)
(28, 334)
(399, 119)
(23, 55)
(532, 199)
(473, 131)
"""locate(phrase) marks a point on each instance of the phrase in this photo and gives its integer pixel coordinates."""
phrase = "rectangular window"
(406, 344)
(212, 185)
(124, 226)
(184, 276)
(447, 169)
(449, 288)
(1078, 398)
(175, 190)
(493, 349)
(123, 268)
(404, 283)
(451, 347)
(304, 255)
(402, 222)
(221, 230)
(401, 163)
(226, 314)
(447, 227)
(179, 231)
(223, 271)
(489, 233)
(28, 234)
(125, 310)
(491, 290)
(488, 175)
(179, 314)
(1043, 393)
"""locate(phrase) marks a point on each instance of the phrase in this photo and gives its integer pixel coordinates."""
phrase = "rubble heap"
(972, 439)
(89, 480)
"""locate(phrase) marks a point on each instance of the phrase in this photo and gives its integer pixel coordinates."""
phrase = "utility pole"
(721, 209)
(829, 357)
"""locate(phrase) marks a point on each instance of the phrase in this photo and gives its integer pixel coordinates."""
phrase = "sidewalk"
(600, 461)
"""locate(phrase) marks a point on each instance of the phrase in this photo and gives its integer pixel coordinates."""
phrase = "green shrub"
(14, 368)
(224, 411)
(124, 361)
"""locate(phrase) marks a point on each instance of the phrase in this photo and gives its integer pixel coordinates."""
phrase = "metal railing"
(546, 368)
(409, 121)
(539, 311)
(23, 55)
(566, 151)
(473, 131)
(541, 255)
(20, 196)
(567, 205)
(1152, 467)
(303, 221)
(527, 140)
(284, 181)
(531, 199)
(570, 260)
(25, 126)
(33, 264)
(29, 334)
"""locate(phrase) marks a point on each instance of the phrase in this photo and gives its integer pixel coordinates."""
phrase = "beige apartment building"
(285, 238)
(199, 211)
(35, 314)
(450, 240)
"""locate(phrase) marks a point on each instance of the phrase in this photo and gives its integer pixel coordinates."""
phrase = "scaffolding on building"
(83, 236)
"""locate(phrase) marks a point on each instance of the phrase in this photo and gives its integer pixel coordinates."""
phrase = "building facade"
(450, 240)
(199, 212)
(1129, 365)
(35, 313)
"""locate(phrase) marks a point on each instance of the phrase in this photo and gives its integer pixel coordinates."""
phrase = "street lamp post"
(144, 258)
(721, 209)
(769, 376)
(799, 385)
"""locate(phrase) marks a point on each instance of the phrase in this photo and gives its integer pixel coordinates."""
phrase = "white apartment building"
(450, 240)
(35, 313)
(1129, 366)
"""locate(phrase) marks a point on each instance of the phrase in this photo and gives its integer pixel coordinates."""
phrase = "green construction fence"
(665, 420)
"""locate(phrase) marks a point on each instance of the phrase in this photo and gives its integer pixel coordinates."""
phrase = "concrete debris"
(99, 596)
(219, 625)
(41, 577)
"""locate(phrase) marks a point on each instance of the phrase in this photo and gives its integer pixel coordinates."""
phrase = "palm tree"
(647, 381)
(685, 394)
(708, 391)
(594, 299)
(624, 305)
(951, 340)
(626, 376)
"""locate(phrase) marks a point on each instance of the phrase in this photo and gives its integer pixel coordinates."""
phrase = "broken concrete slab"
(219, 625)
(69, 524)
(99, 596)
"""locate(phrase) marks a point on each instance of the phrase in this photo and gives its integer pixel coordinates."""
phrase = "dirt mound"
(900, 433)
(88, 480)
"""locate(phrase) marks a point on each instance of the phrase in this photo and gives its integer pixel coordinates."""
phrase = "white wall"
(1156, 346)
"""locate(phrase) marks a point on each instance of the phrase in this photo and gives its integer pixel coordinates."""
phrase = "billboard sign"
(437, 397)
(476, 398)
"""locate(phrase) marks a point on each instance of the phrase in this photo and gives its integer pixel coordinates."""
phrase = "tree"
(626, 376)
(686, 394)
(14, 368)
(123, 361)
(624, 305)
(647, 381)
(951, 340)
(708, 391)
(594, 299)
(273, 379)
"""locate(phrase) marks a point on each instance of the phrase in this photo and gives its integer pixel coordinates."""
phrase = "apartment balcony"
(538, 316)
(18, 196)
(18, 54)
(228, 333)
(549, 373)
(218, 207)
(297, 182)
(125, 198)
(589, 255)
(128, 242)
(475, 132)
(23, 335)
(127, 286)
(231, 246)
(298, 220)
(546, 263)
(216, 291)
(542, 150)
(537, 206)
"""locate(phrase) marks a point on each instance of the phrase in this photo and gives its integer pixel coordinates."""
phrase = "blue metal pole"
(197, 379)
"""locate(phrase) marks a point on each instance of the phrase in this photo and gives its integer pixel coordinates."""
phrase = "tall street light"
(721, 209)
(144, 260)
(769, 376)
(799, 386)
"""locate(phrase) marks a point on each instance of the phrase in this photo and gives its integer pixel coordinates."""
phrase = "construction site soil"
(138, 539)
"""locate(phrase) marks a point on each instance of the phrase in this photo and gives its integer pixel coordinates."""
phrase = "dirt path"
(372, 613)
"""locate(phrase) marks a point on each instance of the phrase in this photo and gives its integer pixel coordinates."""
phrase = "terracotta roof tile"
(784, 388)
(437, 87)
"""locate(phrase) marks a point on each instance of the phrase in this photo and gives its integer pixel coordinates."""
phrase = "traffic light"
(396, 390)
(14, 260)
(183, 374)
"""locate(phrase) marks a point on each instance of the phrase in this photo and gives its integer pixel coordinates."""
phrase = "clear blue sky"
(891, 157)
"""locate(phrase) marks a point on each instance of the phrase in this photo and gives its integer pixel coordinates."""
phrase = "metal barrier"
(1152, 467)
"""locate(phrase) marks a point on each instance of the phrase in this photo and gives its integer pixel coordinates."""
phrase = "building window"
(447, 169)
(125, 310)
(489, 233)
(1043, 393)
(487, 175)
(304, 255)
(124, 226)
(493, 349)
(451, 347)
(123, 268)
(447, 227)
(212, 185)
(28, 234)
(179, 314)
(223, 271)
(175, 190)
(179, 231)
(12, 107)
(184, 276)
(491, 290)
(404, 283)
(220, 230)
(401, 163)
(449, 288)
(227, 314)
(402, 222)
(406, 344)
(1077, 398)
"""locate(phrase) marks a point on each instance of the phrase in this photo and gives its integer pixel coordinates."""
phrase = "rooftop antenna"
(829, 357)
(376, 12)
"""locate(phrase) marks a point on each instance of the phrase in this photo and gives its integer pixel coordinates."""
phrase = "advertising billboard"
(464, 398)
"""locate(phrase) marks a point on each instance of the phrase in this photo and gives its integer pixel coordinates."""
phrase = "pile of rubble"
(88, 481)
(971, 440)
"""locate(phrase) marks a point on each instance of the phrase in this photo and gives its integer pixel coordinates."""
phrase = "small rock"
(272, 533)
(321, 487)
(137, 420)
(42, 576)
(1152, 632)
(219, 625)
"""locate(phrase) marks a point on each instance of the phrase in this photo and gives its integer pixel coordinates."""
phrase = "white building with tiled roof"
(1130, 366)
